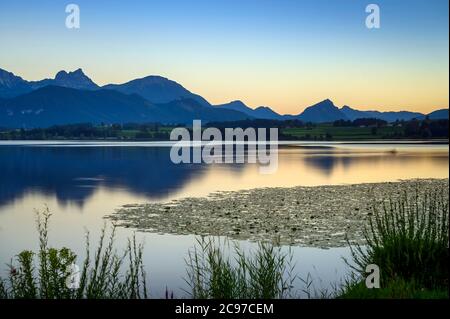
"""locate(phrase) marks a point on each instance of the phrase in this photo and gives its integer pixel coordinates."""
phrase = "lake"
(81, 182)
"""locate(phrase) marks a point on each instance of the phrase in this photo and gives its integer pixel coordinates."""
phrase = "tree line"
(414, 129)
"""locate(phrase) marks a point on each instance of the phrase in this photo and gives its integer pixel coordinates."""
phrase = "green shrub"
(408, 239)
(107, 277)
(396, 289)
(267, 274)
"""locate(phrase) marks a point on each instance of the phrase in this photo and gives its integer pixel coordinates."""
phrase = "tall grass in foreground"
(266, 274)
(47, 273)
(408, 238)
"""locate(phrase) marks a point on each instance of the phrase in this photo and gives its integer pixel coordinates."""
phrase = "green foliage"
(341, 133)
(397, 289)
(408, 239)
(88, 131)
(267, 274)
(108, 277)
(341, 130)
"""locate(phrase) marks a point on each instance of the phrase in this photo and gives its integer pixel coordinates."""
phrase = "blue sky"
(286, 54)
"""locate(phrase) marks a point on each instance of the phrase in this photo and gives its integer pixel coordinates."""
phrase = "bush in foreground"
(267, 274)
(408, 239)
(47, 273)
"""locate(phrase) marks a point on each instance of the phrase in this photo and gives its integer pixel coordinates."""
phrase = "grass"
(396, 289)
(265, 274)
(47, 274)
(408, 239)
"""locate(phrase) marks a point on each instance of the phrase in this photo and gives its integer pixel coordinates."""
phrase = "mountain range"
(72, 97)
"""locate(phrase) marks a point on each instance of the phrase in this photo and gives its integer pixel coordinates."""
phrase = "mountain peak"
(156, 89)
(327, 102)
(6, 75)
(237, 102)
(63, 74)
(265, 112)
(156, 77)
(75, 79)
(325, 105)
(324, 111)
(12, 85)
(237, 105)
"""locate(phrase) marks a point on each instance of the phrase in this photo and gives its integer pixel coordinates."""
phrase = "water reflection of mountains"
(72, 174)
(327, 161)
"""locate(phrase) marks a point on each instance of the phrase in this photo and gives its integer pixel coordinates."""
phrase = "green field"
(287, 131)
(330, 132)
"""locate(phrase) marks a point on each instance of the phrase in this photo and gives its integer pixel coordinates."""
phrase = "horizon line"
(302, 108)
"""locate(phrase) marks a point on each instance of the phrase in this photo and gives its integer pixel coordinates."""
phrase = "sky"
(286, 54)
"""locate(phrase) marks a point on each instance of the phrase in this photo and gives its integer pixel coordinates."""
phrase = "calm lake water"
(81, 182)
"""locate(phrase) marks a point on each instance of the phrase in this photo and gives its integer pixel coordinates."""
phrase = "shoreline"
(293, 141)
(309, 216)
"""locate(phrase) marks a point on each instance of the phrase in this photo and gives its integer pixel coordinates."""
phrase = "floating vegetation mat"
(319, 216)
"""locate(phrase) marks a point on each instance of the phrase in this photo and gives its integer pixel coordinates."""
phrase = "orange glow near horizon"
(291, 93)
(283, 54)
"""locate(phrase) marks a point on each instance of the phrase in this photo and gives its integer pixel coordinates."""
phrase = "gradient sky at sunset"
(287, 54)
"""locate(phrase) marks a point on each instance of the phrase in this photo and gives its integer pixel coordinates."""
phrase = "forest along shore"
(318, 216)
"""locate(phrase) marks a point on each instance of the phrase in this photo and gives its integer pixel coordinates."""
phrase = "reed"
(47, 273)
(408, 239)
(212, 272)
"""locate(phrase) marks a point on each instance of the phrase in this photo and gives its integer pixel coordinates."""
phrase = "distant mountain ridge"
(326, 111)
(12, 85)
(438, 114)
(75, 80)
(353, 114)
(55, 105)
(157, 89)
(265, 112)
(261, 112)
(236, 106)
(148, 99)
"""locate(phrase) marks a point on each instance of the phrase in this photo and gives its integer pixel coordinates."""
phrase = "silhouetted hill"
(152, 98)
(53, 105)
(186, 110)
(394, 116)
(265, 112)
(324, 111)
(438, 115)
(353, 114)
(262, 112)
(236, 106)
(12, 85)
(75, 80)
(157, 90)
